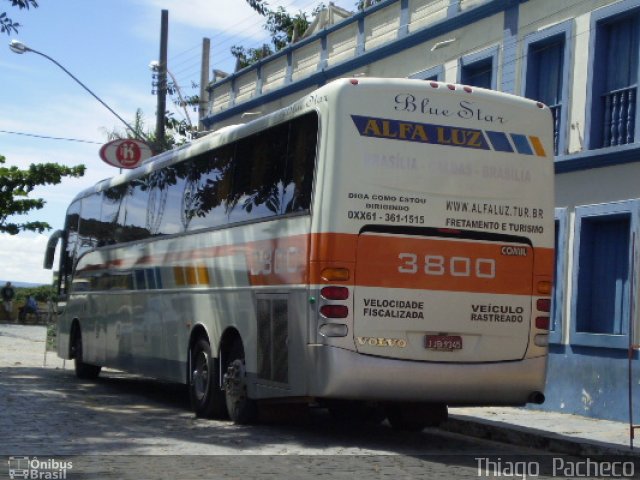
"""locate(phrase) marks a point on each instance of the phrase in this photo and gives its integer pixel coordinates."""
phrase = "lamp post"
(18, 47)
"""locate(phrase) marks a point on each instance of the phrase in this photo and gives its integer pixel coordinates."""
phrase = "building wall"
(597, 189)
(586, 379)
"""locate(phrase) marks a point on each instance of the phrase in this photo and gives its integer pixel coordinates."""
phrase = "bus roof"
(312, 101)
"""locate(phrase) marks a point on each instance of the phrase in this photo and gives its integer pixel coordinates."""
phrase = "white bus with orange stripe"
(380, 243)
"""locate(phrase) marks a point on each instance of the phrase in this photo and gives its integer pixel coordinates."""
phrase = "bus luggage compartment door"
(445, 296)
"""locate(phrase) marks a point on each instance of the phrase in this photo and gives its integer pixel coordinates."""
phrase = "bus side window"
(158, 183)
(259, 173)
(213, 187)
(301, 156)
(133, 214)
(89, 229)
(169, 190)
(111, 205)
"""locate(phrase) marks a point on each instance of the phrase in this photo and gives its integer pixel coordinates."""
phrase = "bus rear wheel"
(83, 370)
(207, 399)
(241, 409)
(414, 417)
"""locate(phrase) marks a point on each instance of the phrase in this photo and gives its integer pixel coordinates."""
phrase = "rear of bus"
(432, 245)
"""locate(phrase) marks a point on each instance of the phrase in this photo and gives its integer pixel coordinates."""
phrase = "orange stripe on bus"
(300, 259)
(537, 146)
(444, 265)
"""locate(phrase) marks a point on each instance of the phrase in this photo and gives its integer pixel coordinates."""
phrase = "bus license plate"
(443, 342)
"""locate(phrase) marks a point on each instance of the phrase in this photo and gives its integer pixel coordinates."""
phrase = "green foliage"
(52, 334)
(175, 135)
(249, 56)
(363, 4)
(15, 187)
(284, 27)
(281, 25)
(41, 294)
(6, 24)
(259, 6)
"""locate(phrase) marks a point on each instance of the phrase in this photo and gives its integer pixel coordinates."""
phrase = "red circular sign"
(128, 153)
(125, 153)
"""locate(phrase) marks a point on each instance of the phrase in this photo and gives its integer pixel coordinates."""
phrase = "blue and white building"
(580, 57)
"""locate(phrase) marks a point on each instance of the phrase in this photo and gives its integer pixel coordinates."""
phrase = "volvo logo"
(382, 342)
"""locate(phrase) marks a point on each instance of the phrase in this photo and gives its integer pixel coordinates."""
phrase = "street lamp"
(17, 46)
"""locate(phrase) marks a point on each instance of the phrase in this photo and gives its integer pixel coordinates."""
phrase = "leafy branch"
(16, 185)
(7, 25)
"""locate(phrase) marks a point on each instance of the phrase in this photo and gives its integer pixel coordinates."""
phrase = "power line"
(189, 69)
(479, 48)
(47, 137)
(191, 62)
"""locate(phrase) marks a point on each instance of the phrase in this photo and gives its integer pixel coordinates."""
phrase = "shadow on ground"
(56, 413)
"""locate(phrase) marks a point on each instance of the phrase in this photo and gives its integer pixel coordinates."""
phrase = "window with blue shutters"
(603, 282)
(479, 69)
(545, 76)
(477, 74)
(602, 275)
(614, 79)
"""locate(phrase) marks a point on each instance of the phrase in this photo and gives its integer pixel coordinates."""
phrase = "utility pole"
(204, 83)
(162, 79)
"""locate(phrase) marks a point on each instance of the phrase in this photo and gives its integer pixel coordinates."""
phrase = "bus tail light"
(335, 274)
(334, 311)
(542, 323)
(335, 293)
(544, 287)
(543, 304)
(334, 330)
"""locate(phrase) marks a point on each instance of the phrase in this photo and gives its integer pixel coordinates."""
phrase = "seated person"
(30, 306)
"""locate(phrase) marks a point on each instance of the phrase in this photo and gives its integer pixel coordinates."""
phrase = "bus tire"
(241, 409)
(83, 370)
(207, 399)
(414, 417)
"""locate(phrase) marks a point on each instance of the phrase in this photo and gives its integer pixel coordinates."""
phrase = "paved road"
(124, 426)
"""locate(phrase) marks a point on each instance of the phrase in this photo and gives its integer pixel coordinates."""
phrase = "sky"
(107, 45)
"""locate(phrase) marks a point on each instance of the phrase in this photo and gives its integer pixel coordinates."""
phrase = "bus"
(380, 245)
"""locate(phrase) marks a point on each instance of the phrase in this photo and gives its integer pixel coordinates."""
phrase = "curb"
(531, 437)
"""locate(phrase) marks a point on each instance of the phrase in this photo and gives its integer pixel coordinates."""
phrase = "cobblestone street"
(123, 426)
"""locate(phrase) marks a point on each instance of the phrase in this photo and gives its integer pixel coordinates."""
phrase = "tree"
(6, 24)
(41, 293)
(249, 56)
(15, 187)
(283, 27)
(364, 4)
(177, 134)
(16, 184)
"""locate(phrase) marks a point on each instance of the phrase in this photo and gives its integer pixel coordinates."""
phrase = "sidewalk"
(552, 431)
(23, 346)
